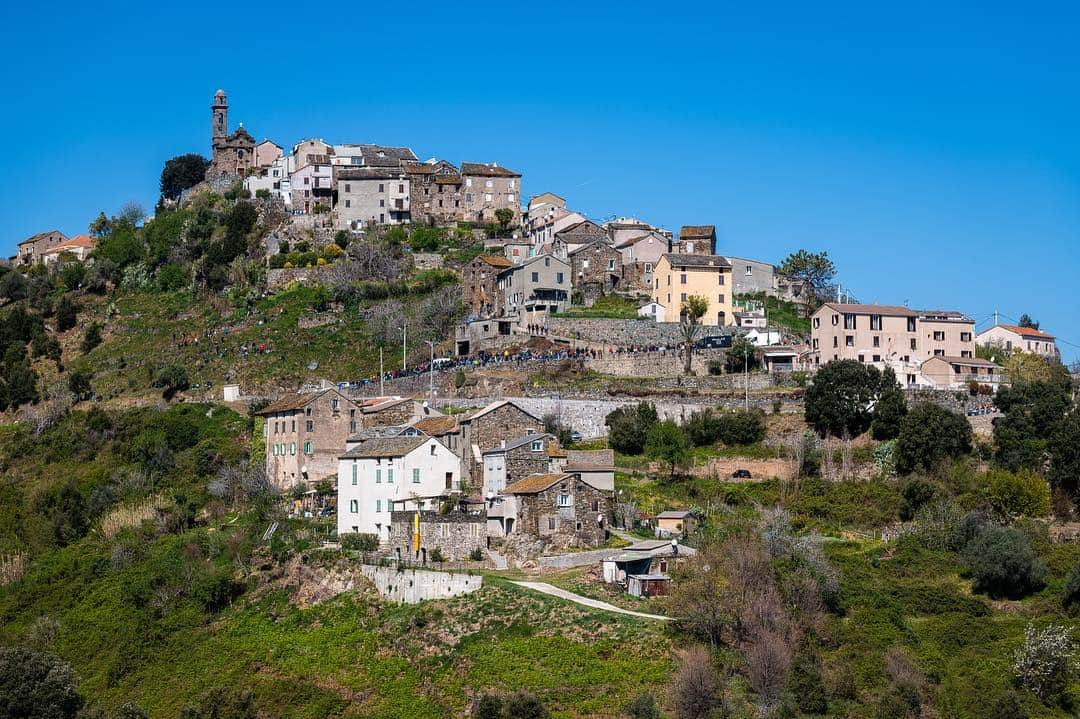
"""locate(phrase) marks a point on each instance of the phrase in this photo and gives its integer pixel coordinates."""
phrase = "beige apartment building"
(678, 276)
(890, 336)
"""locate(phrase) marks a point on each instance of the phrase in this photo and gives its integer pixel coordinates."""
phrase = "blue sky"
(931, 149)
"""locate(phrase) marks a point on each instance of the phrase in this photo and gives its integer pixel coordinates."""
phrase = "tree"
(487, 706)
(523, 705)
(1064, 449)
(702, 427)
(1023, 494)
(693, 309)
(181, 173)
(130, 215)
(172, 379)
(92, 338)
(101, 226)
(79, 385)
(37, 685)
(121, 246)
(1032, 412)
(667, 443)
(840, 399)
(1026, 321)
(505, 216)
(813, 268)
(742, 355)
(628, 426)
(66, 313)
(18, 381)
(695, 691)
(1003, 564)
(929, 434)
(890, 408)
(1070, 595)
(642, 706)
(13, 286)
(1022, 367)
(742, 427)
(1046, 663)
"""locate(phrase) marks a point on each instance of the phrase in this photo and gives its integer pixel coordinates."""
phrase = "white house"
(1012, 337)
(652, 310)
(382, 470)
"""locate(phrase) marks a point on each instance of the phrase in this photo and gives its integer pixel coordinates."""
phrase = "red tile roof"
(1027, 331)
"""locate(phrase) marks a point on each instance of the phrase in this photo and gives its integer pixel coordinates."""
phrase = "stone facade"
(569, 512)
(489, 187)
(456, 533)
(596, 269)
(488, 427)
(435, 193)
(751, 276)
(480, 291)
(371, 196)
(582, 233)
(305, 433)
(32, 249)
(695, 240)
(534, 289)
(678, 276)
(231, 155)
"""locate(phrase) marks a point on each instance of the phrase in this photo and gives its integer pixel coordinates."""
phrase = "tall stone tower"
(220, 118)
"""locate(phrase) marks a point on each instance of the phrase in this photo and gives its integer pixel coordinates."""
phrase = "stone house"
(505, 464)
(312, 185)
(640, 253)
(1027, 339)
(31, 250)
(942, 372)
(581, 233)
(231, 154)
(561, 508)
(434, 192)
(488, 427)
(266, 152)
(751, 319)
(312, 151)
(678, 276)
(371, 196)
(652, 310)
(304, 434)
(596, 268)
(537, 287)
(390, 411)
(675, 523)
(376, 472)
(624, 228)
(275, 179)
(416, 533)
(489, 187)
(78, 247)
(351, 155)
(444, 428)
(695, 240)
(480, 292)
(596, 466)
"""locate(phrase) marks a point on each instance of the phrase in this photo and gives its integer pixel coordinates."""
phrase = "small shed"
(616, 568)
(675, 523)
(648, 585)
(231, 393)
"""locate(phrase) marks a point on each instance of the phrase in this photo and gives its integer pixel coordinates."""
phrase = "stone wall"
(456, 534)
(281, 278)
(574, 526)
(427, 260)
(666, 364)
(620, 333)
(412, 586)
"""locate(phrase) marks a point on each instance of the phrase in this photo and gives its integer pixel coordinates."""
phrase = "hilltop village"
(338, 370)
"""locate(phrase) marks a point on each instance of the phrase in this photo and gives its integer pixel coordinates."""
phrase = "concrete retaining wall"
(412, 586)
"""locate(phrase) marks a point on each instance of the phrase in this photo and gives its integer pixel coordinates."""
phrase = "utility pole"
(995, 318)
(746, 372)
(404, 337)
(431, 375)
(381, 375)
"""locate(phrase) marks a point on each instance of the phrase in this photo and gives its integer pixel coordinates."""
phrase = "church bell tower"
(219, 117)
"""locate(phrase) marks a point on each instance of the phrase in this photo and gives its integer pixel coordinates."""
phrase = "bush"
(36, 685)
(1046, 662)
(1023, 494)
(627, 427)
(742, 427)
(171, 277)
(642, 706)
(916, 492)
(359, 542)
(1003, 564)
(437, 556)
(172, 379)
(695, 691)
(928, 435)
(92, 338)
(702, 427)
(890, 409)
(66, 313)
(667, 443)
(477, 554)
(1070, 598)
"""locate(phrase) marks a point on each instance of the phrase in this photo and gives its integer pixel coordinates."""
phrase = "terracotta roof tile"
(1027, 331)
(857, 309)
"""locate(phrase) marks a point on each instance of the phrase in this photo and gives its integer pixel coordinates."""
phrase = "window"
(382, 188)
(835, 320)
(850, 322)
(875, 322)
(468, 183)
(401, 188)
(682, 279)
(965, 336)
(468, 197)
(566, 500)
(348, 203)
(815, 343)
(488, 183)
(939, 353)
(292, 448)
(309, 426)
(939, 336)
(389, 476)
(510, 197)
(352, 426)
(913, 343)
(378, 506)
(432, 447)
(965, 353)
(849, 340)
(558, 278)
(817, 322)
(862, 358)
(378, 476)
(487, 197)
(537, 445)
(335, 404)
(835, 341)
(416, 476)
(551, 523)
(682, 297)
(910, 324)
(535, 276)
(648, 267)
(877, 341)
(877, 358)
(382, 203)
(721, 300)
(308, 449)
(354, 506)
(347, 187)
(721, 277)
(611, 265)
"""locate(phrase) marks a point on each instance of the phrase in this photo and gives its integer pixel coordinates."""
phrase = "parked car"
(742, 474)
(575, 436)
(714, 342)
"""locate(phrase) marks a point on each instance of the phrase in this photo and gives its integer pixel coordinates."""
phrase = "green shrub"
(92, 338)
(627, 427)
(930, 434)
(642, 706)
(1003, 564)
(742, 427)
(359, 542)
(37, 685)
(1023, 494)
(916, 492)
(1070, 598)
(437, 556)
(477, 554)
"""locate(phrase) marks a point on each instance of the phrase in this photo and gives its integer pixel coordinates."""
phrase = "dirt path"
(545, 588)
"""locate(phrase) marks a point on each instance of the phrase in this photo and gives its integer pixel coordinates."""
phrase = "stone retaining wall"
(623, 333)
(282, 277)
(412, 586)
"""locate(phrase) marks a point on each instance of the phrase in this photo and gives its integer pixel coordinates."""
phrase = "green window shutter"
(416, 476)
(354, 472)
(389, 476)
(378, 476)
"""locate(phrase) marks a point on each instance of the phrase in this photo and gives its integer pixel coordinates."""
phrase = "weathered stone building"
(305, 433)
(581, 233)
(489, 187)
(695, 240)
(371, 196)
(231, 155)
(563, 509)
(515, 459)
(596, 268)
(435, 192)
(488, 427)
(480, 285)
(32, 250)
(532, 290)
(416, 533)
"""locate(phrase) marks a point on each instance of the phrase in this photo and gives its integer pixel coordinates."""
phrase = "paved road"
(545, 588)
